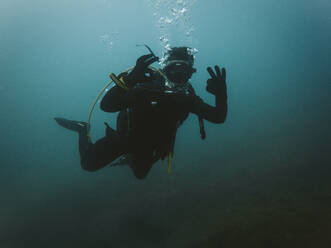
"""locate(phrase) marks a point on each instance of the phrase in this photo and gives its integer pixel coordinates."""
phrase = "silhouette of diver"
(150, 112)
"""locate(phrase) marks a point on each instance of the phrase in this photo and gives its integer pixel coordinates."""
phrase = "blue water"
(261, 179)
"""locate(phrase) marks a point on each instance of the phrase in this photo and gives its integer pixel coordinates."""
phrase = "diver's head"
(178, 64)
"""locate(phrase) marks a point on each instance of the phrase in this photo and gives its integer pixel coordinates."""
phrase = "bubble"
(173, 20)
(164, 39)
(190, 31)
(165, 20)
(109, 39)
(104, 38)
(193, 51)
(167, 47)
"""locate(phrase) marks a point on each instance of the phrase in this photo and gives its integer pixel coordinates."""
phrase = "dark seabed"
(262, 179)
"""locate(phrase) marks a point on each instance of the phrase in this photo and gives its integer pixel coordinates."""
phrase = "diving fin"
(78, 126)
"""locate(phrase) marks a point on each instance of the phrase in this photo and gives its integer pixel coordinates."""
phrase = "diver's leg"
(103, 152)
(98, 155)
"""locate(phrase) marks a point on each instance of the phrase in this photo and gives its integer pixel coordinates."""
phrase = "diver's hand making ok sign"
(217, 83)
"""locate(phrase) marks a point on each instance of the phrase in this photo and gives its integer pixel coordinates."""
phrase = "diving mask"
(178, 71)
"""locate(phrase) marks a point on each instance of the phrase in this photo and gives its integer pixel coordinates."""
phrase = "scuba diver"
(152, 104)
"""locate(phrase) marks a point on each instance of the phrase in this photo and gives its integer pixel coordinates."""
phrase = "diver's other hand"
(144, 61)
(138, 74)
(217, 83)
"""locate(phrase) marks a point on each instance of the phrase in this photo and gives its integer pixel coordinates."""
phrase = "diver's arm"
(216, 85)
(213, 114)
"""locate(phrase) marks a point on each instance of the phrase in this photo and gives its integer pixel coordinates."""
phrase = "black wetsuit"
(146, 126)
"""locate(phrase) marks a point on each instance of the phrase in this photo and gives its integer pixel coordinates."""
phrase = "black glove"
(216, 85)
(138, 74)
